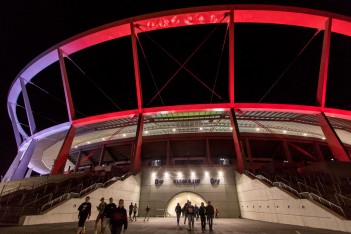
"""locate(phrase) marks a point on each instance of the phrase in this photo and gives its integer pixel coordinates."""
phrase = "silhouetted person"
(202, 213)
(209, 214)
(84, 214)
(178, 210)
(119, 218)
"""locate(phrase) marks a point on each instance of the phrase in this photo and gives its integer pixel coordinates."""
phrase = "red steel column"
(136, 155)
(236, 138)
(334, 142)
(67, 90)
(62, 157)
(249, 154)
(319, 152)
(231, 57)
(136, 67)
(323, 69)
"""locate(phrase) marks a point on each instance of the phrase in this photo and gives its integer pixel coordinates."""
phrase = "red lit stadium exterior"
(242, 135)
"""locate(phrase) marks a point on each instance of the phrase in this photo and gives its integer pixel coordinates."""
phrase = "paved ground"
(168, 226)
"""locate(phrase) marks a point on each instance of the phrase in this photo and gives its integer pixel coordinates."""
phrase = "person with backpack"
(100, 217)
(119, 219)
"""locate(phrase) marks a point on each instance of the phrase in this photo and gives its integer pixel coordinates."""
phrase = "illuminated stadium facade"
(202, 125)
(190, 142)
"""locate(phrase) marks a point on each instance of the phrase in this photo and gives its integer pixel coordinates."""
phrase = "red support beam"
(249, 154)
(66, 88)
(323, 69)
(236, 138)
(334, 142)
(231, 57)
(62, 157)
(136, 67)
(136, 153)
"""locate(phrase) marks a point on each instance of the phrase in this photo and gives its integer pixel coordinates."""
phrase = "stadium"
(209, 137)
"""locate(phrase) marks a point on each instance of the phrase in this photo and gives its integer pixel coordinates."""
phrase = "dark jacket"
(209, 211)
(202, 211)
(109, 209)
(178, 209)
(119, 218)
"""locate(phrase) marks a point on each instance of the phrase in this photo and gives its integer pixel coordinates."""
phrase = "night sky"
(29, 27)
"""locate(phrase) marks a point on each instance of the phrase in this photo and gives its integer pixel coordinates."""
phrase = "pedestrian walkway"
(169, 226)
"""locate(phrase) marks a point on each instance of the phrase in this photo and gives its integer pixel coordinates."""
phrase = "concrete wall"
(129, 190)
(224, 195)
(260, 202)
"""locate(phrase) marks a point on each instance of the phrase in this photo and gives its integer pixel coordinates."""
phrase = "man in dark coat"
(209, 214)
(119, 218)
(178, 210)
(202, 213)
(108, 212)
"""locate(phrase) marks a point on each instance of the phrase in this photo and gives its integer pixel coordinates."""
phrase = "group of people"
(109, 215)
(190, 212)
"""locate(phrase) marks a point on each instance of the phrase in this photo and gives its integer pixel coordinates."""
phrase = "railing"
(286, 187)
(261, 177)
(12, 213)
(308, 188)
(58, 200)
(307, 194)
(322, 201)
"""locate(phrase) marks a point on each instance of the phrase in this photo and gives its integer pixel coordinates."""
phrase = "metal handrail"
(65, 196)
(261, 177)
(309, 195)
(33, 186)
(285, 186)
(306, 186)
(322, 201)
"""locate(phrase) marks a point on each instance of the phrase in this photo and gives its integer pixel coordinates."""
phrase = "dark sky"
(30, 27)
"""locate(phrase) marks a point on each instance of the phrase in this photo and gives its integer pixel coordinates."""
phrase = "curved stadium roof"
(280, 120)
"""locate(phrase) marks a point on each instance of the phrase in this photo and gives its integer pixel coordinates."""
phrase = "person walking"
(196, 209)
(191, 213)
(147, 214)
(178, 210)
(202, 213)
(185, 209)
(100, 217)
(135, 210)
(107, 214)
(216, 212)
(209, 214)
(131, 211)
(84, 214)
(119, 218)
